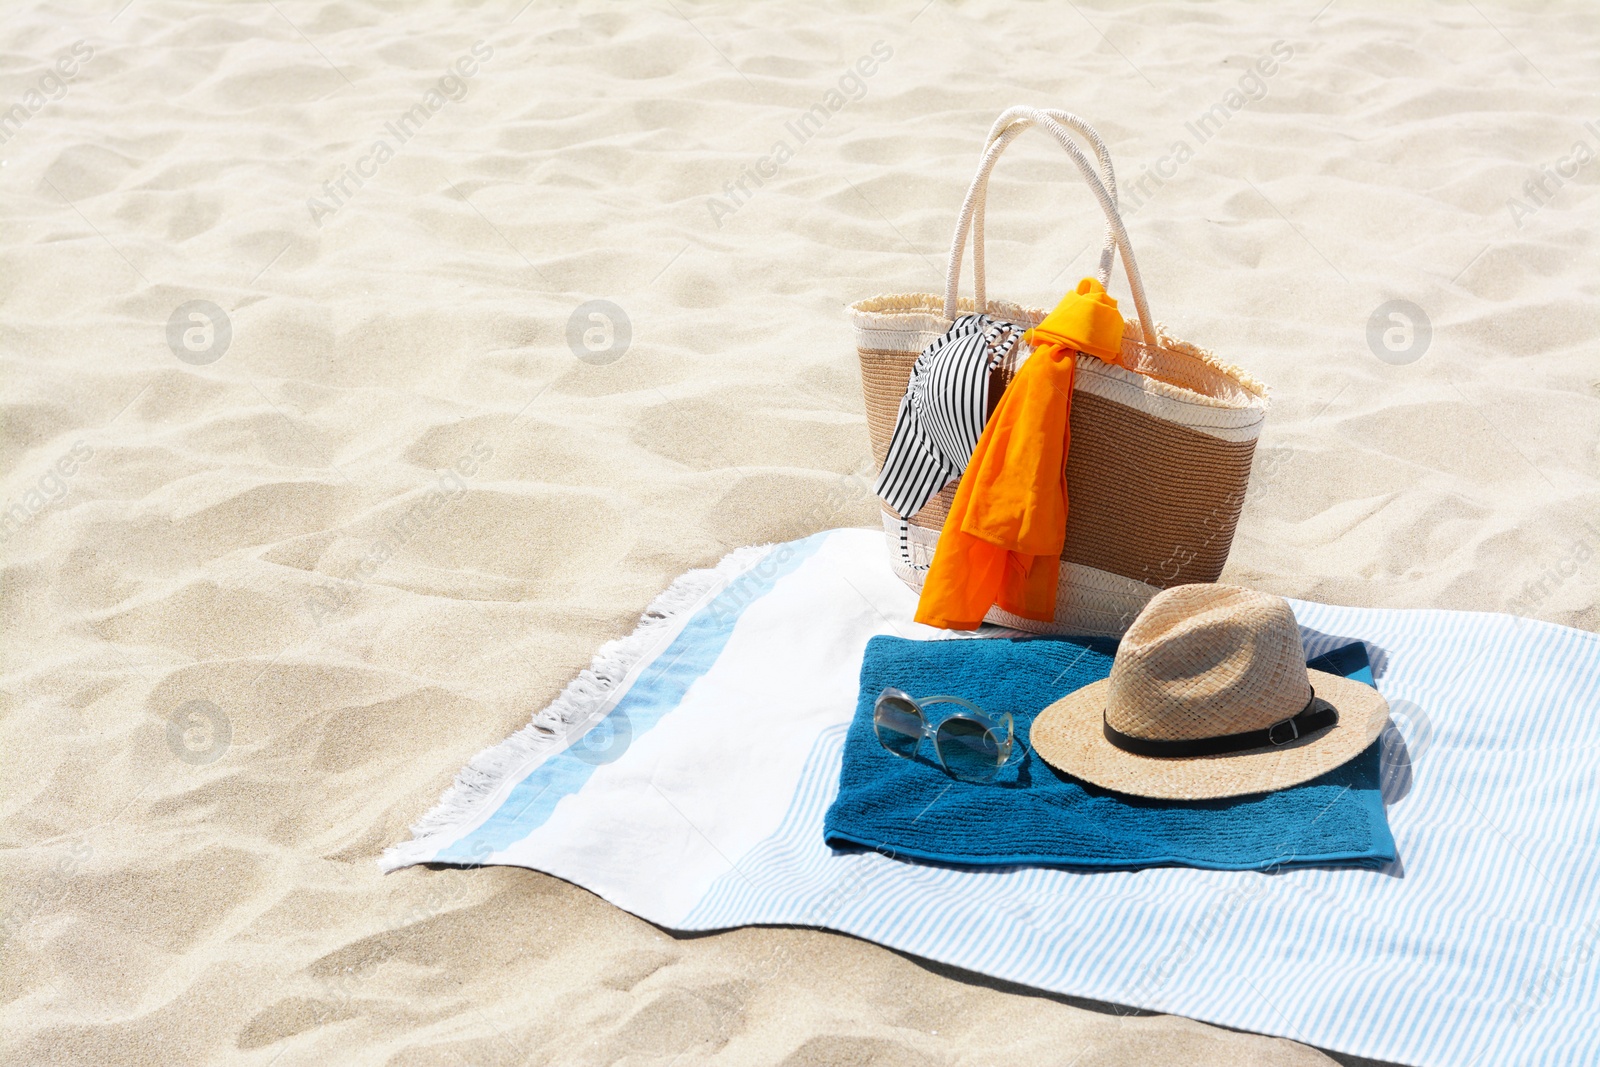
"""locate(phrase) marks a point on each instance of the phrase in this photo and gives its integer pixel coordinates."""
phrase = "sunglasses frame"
(1000, 727)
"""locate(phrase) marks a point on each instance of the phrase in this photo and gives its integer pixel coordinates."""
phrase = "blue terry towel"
(1035, 815)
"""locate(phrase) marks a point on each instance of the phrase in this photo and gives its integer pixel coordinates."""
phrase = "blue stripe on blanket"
(1035, 815)
(656, 692)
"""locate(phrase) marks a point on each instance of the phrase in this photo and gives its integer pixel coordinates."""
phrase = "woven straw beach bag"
(1159, 460)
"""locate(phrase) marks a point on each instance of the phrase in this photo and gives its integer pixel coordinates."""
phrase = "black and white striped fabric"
(942, 414)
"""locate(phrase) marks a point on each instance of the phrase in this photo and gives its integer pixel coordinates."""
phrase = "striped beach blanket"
(685, 777)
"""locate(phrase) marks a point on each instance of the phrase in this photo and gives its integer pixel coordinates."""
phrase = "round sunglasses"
(970, 744)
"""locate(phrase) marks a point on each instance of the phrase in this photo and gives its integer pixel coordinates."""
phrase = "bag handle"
(1010, 125)
(1108, 177)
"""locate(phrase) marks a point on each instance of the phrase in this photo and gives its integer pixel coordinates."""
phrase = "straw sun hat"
(1209, 696)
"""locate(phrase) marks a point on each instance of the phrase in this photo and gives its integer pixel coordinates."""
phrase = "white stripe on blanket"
(721, 722)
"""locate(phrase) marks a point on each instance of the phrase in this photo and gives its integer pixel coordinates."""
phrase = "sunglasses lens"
(969, 749)
(899, 726)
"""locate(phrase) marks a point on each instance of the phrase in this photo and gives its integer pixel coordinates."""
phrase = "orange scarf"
(1002, 541)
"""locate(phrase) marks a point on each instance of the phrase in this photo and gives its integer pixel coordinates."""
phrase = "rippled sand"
(222, 698)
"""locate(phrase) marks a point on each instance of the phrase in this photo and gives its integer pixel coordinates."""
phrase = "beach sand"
(221, 704)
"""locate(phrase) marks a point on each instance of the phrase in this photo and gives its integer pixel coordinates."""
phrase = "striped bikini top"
(943, 411)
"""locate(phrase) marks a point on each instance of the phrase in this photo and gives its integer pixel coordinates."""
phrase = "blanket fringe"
(574, 707)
